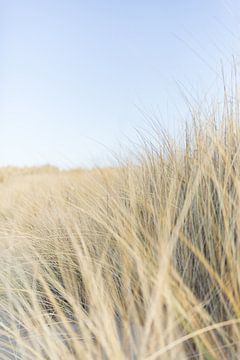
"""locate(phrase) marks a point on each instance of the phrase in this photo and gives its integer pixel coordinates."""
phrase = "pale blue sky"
(74, 73)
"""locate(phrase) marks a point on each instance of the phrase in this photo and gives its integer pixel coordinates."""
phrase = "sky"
(79, 79)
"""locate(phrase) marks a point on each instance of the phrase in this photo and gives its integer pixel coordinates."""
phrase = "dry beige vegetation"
(137, 262)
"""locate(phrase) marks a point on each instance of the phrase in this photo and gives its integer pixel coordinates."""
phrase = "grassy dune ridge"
(135, 262)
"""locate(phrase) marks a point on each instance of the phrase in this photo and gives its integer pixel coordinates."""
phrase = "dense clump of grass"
(136, 262)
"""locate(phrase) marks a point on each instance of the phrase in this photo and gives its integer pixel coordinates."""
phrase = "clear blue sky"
(74, 73)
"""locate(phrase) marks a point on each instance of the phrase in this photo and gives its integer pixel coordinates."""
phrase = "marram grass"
(136, 262)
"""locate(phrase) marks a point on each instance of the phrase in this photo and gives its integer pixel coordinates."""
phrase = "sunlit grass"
(135, 262)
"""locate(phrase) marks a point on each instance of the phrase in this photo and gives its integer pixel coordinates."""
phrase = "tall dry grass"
(137, 262)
